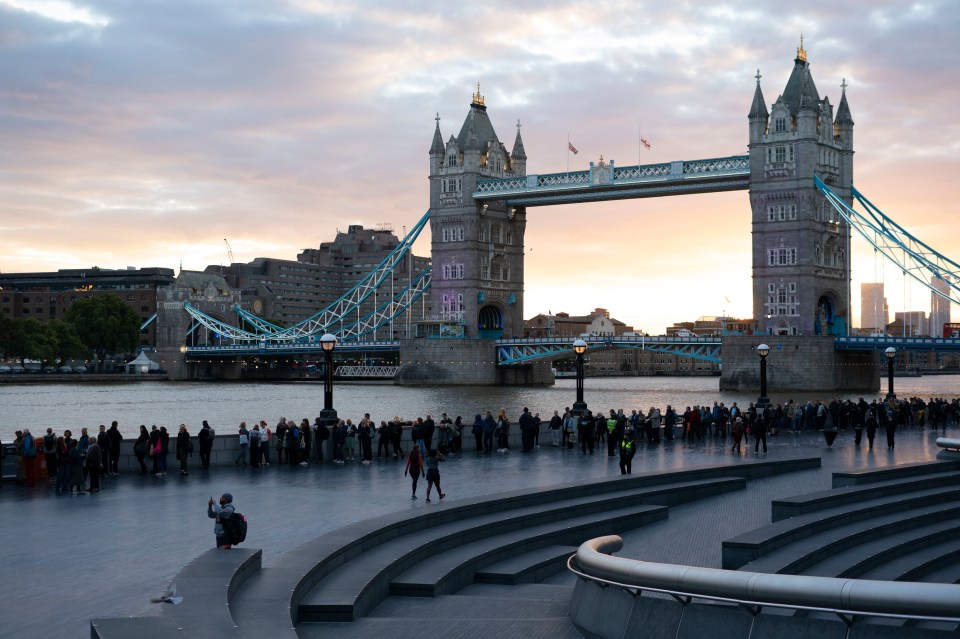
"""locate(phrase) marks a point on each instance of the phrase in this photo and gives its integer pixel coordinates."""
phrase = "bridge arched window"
(780, 125)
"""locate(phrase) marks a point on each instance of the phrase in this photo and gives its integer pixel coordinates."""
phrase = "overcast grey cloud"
(144, 133)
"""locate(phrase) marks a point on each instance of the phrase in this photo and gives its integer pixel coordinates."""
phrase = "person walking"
(433, 460)
(627, 449)
(184, 449)
(737, 431)
(760, 429)
(414, 468)
(871, 424)
(221, 512)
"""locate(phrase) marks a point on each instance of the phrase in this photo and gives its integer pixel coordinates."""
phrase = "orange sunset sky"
(144, 133)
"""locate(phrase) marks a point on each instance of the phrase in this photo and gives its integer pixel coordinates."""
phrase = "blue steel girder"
(520, 351)
(296, 348)
(880, 344)
(914, 257)
(652, 180)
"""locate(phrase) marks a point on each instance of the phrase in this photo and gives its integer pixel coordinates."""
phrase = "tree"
(24, 339)
(105, 325)
(63, 341)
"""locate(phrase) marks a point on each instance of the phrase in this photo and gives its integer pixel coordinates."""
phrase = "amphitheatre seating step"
(751, 545)
(796, 557)
(270, 605)
(447, 572)
(345, 595)
(903, 548)
(868, 475)
(207, 585)
(948, 573)
(921, 563)
(809, 502)
(528, 567)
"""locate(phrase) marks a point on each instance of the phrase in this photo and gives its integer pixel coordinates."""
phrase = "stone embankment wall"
(798, 364)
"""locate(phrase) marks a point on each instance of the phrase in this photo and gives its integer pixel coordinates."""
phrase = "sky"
(145, 133)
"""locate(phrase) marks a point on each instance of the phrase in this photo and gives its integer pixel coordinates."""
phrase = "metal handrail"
(857, 597)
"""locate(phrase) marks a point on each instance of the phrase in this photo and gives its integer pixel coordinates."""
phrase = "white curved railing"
(840, 596)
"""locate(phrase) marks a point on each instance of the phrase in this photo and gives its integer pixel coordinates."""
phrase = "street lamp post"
(763, 401)
(891, 355)
(579, 406)
(328, 416)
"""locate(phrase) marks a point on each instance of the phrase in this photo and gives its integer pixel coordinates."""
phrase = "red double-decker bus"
(951, 329)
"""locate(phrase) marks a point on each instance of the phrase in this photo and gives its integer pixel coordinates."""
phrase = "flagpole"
(568, 152)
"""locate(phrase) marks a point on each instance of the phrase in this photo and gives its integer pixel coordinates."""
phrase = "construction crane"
(229, 250)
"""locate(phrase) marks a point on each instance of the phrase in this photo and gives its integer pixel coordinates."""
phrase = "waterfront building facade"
(289, 291)
(47, 296)
(874, 313)
(939, 304)
(801, 251)
(597, 323)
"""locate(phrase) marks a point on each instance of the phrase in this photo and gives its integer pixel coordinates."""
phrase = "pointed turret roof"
(477, 124)
(518, 151)
(800, 87)
(843, 109)
(759, 107)
(437, 146)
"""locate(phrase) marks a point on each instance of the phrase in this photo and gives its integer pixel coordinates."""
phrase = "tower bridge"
(798, 173)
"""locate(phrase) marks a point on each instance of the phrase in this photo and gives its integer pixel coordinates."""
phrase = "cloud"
(144, 133)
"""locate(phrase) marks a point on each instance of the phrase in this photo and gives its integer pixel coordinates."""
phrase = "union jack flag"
(646, 144)
(572, 148)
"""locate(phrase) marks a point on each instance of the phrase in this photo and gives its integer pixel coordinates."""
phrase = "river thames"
(226, 404)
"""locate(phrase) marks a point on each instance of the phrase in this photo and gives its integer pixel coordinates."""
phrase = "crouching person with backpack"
(230, 527)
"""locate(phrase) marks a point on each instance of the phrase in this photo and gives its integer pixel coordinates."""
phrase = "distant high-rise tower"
(939, 306)
(801, 257)
(477, 248)
(873, 307)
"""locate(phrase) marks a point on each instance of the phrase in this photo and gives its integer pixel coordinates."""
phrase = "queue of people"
(77, 465)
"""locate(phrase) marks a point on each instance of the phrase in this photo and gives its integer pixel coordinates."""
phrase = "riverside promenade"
(73, 558)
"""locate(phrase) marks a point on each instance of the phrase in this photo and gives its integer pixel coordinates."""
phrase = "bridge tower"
(801, 251)
(477, 249)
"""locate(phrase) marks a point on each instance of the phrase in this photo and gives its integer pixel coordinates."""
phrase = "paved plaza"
(71, 558)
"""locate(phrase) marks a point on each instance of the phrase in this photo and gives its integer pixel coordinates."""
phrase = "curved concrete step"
(447, 572)
(753, 545)
(934, 562)
(345, 595)
(796, 557)
(530, 567)
(810, 502)
(878, 551)
(869, 475)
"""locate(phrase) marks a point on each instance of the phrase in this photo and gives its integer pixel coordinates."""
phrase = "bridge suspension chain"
(912, 256)
(338, 312)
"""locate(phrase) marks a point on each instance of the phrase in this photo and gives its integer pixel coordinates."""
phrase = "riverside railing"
(847, 598)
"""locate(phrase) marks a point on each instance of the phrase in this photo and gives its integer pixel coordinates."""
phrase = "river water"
(226, 404)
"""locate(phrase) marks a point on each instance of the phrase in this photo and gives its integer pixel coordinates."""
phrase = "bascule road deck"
(73, 558)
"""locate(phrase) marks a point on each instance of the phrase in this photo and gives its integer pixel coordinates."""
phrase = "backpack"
(235, 527)
(296, 433)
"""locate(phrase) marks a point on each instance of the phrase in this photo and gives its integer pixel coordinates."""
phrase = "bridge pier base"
(179, 368)
(463, 362)
(798, 364)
